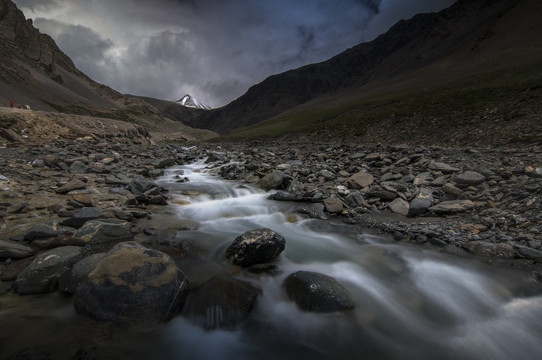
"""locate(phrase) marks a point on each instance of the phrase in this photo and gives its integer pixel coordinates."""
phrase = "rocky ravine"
(60, 197)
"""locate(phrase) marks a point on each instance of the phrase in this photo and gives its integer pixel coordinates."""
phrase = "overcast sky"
(212, 49)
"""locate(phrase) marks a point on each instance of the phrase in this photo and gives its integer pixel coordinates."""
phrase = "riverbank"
(379, 221)
(484, 202)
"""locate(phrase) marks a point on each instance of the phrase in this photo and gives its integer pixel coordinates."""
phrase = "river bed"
(411, 302)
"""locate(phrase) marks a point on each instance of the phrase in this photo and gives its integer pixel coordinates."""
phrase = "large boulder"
(43, 274)
(317, 292)
(132, 283)
(272, 181)
(221, 303)
(101, 235)
(79, 272)
(255, 247)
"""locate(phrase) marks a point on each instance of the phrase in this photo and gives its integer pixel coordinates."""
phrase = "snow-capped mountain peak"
(191, 102)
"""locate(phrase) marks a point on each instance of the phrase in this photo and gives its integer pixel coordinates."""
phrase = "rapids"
(412, 302)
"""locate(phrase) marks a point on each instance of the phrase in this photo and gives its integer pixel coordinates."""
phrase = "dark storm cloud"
(35, 5)
(391, 11)
(212, 49)
(86, 47)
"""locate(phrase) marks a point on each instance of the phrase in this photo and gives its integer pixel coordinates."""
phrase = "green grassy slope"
(502, 95)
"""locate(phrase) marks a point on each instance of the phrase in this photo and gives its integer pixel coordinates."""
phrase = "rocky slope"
(35, 72)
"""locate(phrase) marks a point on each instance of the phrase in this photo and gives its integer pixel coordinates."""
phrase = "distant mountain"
(191, 102)
(465, 42)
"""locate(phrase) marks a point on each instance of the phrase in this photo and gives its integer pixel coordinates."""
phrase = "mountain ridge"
(429, 49)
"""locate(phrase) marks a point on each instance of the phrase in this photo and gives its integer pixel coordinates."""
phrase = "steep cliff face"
(20, 40)
(34, 71)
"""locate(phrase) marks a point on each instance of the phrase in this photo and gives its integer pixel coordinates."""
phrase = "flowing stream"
(411, 302)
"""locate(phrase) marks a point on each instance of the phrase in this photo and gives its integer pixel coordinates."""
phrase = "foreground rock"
(14, 250)
(255, 247)
(101, 235)
(132, 283)
(317, 292)
(43, 274)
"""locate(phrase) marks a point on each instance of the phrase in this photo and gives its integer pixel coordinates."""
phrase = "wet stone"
(318, 293)
(282, 195)
(255, 247)
(529, 253)
(354, 199)
(221, 303)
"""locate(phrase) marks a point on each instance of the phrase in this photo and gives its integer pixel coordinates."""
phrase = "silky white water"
(411, 302)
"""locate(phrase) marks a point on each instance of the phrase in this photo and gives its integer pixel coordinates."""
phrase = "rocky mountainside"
(469, 39)
(35, 72)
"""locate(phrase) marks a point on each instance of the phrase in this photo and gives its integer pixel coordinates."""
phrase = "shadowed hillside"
(456, 66)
